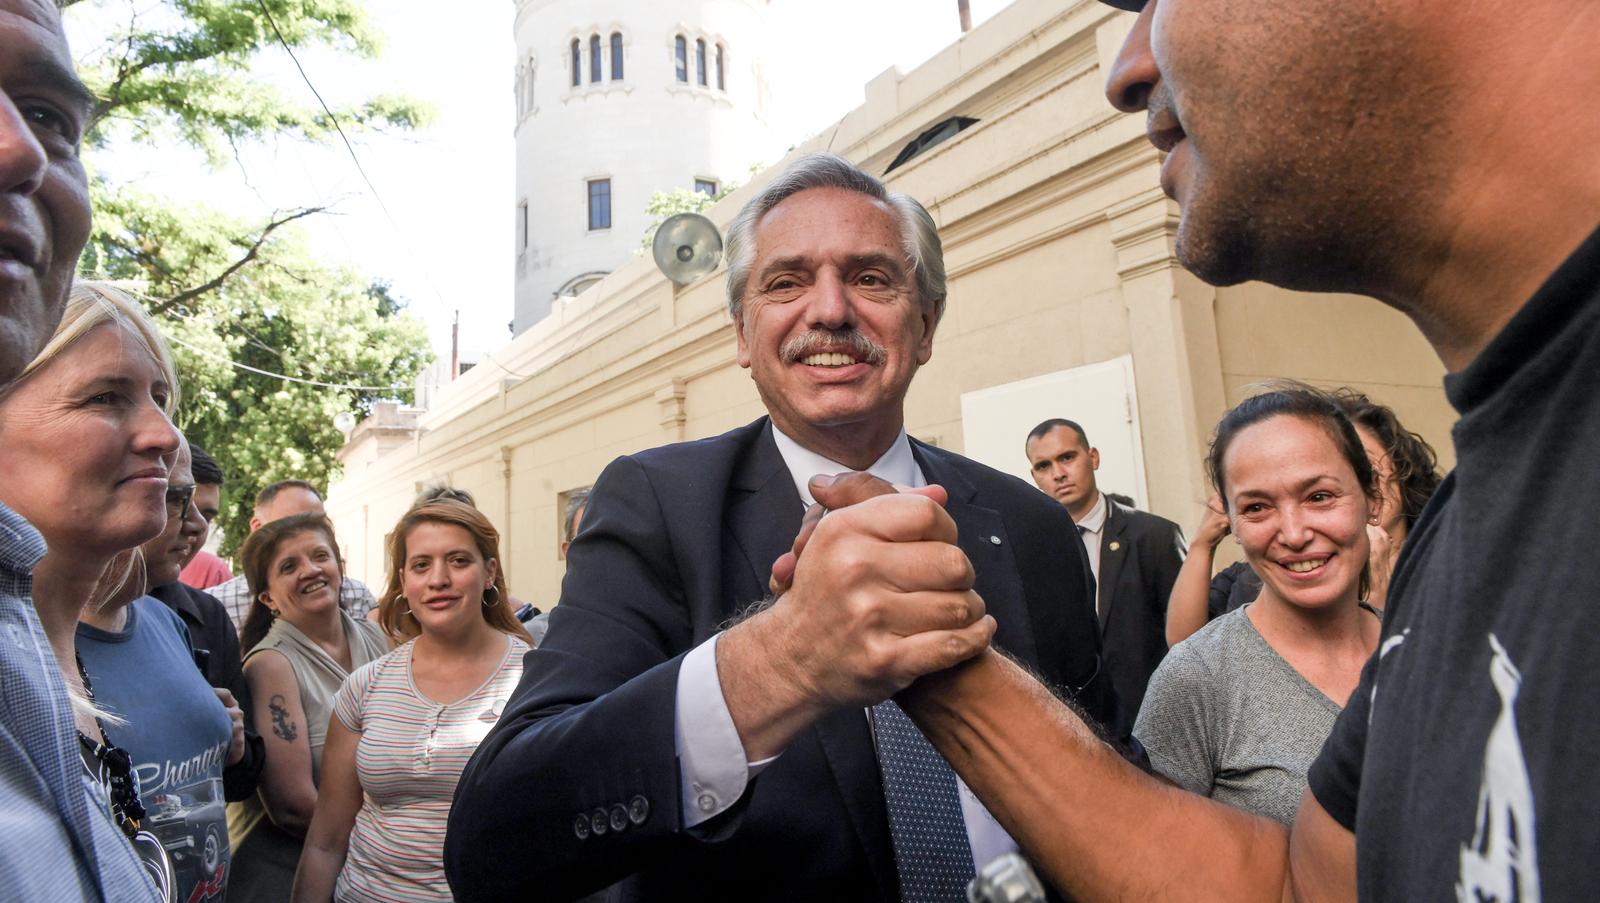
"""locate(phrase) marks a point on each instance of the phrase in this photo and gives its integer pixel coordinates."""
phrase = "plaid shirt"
(354, 598)
(57, 843)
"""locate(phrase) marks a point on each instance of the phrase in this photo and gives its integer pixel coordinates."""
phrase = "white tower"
(618, 99)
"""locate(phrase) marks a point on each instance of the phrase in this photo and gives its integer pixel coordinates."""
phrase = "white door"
(1099, 397)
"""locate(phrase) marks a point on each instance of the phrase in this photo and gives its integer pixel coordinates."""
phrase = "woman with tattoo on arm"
(299, 647)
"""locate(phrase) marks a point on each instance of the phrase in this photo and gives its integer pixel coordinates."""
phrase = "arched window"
(522, 100)
(594, 58)
(722, 77)
(527, 89)
(577, 63)
(700, 62)
(616, 56)
(680, 52)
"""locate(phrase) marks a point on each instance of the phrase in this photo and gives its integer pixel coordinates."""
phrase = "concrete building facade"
(617, 100)
(1065, 299)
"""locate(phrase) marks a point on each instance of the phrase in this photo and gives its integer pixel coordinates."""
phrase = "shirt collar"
(21, 546)
(1096, 518)
(896, 466)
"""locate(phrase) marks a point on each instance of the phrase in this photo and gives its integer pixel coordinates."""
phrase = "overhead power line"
(283, 376)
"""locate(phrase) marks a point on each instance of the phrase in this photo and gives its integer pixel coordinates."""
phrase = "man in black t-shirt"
(1436, 155)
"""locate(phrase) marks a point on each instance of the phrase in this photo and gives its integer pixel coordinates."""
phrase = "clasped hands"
(868, 599)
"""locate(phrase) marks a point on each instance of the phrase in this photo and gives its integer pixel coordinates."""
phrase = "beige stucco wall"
(1058, 243)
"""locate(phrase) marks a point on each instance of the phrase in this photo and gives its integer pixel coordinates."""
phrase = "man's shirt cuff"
(712, 767)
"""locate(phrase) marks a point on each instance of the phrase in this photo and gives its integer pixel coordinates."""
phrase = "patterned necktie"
(931, 850)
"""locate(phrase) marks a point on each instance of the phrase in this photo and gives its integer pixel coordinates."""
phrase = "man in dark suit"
(674, 735)
(1135, 556)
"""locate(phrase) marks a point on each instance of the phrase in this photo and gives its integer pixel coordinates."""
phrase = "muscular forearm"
(1098, 828)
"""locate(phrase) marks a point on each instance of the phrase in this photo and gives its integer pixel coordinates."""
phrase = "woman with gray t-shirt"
(1239, 710)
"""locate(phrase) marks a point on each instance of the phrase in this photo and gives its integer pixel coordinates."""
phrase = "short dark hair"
(1292, 399)
(1416, 467)
(207, 472)
(1056, 423)
(265, 496)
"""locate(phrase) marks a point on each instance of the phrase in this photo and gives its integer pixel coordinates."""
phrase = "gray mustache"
(846, 340)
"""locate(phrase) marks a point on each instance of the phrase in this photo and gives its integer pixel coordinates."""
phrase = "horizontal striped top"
(410, 756)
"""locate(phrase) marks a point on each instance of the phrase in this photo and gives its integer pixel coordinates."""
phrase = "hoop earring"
(406, 609)
(487, 590)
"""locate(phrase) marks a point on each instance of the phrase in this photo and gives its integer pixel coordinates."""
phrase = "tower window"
(722, 79)
(707, 187)
(577, 63)
(594, 58)
(680, 51)
(700, 63)
(522, 227)
(616, 56)
(599, 204)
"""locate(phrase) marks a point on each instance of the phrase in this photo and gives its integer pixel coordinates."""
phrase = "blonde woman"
(89, 443)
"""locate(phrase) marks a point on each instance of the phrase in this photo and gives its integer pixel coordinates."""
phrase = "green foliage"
(183, 70)
(284, 312)
(233, 294)
(665, 204)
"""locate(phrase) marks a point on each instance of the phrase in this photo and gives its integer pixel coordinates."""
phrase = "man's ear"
(738, 334)
(930, 323)
(255, 522)
(1094, 459)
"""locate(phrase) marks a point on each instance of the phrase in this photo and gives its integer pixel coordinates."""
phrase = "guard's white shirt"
(1090, 530)
(711, 759)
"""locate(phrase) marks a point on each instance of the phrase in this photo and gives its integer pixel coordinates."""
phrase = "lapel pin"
(995, 540)
(1115, 545)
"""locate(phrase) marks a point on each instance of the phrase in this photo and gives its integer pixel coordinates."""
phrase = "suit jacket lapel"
(982, 536)
(1113, 551)
(763, 515)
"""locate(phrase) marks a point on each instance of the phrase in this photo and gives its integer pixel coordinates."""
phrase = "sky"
(436, 220)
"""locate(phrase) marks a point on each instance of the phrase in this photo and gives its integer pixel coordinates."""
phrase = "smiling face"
(44, 195)
(1299, 511)
(830, 326)
(1063, 466)
(445, 578)
(1290, 152)
(303, 578)
(88, 445)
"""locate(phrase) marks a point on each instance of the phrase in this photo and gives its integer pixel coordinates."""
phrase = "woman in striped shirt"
(404, 726)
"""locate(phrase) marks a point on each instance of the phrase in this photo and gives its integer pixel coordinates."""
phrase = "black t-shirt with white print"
(1466, 759)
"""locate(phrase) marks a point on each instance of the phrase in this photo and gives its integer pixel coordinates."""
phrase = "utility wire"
(285, 377)
(350, 149)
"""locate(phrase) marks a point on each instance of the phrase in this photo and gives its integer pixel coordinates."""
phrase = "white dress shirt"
(1091, 529)
(711, 759)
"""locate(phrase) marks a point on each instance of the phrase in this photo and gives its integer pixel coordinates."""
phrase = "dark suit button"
(638, 810)
(597, 822)
(581, 827)
(619, 817)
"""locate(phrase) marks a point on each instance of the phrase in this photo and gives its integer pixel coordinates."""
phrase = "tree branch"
(189, 294)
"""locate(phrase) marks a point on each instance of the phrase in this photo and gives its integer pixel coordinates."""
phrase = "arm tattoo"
(281, 725)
